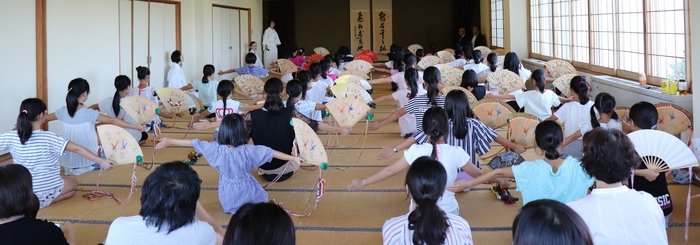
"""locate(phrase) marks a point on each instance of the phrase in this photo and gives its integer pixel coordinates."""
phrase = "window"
(615, 37)
(497, 23)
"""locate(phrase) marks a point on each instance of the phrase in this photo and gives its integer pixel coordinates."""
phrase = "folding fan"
(470, 95)
(673, 119)
(194, 102)
(558, 68)
(563, 83)
(522, 129)
(449, 76)
(347, 111)
(175, 100)
(308, 144)
(315, 58)
(484, 50)
(452, 51)
(363, 57)
(427, 61)
(250, 84)
(661, 150)
(493, 113)
(322, 51)
(118, 145)
(351, 90)
(446, 56)
(371, 54)
(360, 65)
(287, 66)
(506, 81)
(623, 113)
(499, 51)
(139, 108)
(501, 59)
(353, 79)
(354, 72)
(414, 47)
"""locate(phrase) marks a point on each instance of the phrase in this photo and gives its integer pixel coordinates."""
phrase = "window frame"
(493, 29)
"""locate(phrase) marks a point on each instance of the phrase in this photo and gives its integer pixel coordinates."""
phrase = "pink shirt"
(299, 60)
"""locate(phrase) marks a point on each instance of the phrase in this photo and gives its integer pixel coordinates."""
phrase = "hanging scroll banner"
(360, 31)
(382, 30)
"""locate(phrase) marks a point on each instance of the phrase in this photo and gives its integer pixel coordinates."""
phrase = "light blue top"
(207, 91)
(536, 181)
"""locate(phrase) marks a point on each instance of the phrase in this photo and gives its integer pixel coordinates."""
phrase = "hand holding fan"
(506, 81)
(352, 91)
(414, 47)
(427, 61)
(139, 108)
(348, 111)
(371, 54)
(522, 129)
(563, 83)
(360, 65)
(493, 113)
(174, 100)
(315, 58)
(354, 72)
(119, 145)
(250, 84)
(623, 113)
(470, 95)
(661, 150)
(673, 119)
(355, 80)
(308, 144)
(449, 76)
(287, 66)
(446, 56)
(558, 68)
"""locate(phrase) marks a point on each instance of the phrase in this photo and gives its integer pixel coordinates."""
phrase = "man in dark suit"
(463, 38)
(477, 39)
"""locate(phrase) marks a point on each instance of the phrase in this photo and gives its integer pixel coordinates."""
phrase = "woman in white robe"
(270, 42)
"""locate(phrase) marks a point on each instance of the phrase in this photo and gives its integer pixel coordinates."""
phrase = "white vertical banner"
(382, 30)
(359, 31)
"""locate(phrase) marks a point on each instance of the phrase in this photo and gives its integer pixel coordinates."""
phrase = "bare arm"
(485, 177)
(226, 71)
(391, 118)
(552, 118)
(490, 95)
(389, 151)
(383, 174)
(286, 157)
(329, 128)
(165, 142)
(111, 120)
(50, 117)
(68, 232)
(380, 80)
(509, 144)
(251, 107)
(565, 100)
(186, 87)
(201, 214)
(204, 115)
(320, 107)
(571, 138)
(95, 107)
(204, 124)
(383, 98)
(87, 154)
(482, 79)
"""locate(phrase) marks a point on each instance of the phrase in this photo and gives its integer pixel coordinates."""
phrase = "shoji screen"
(153, 48)
(230, 37)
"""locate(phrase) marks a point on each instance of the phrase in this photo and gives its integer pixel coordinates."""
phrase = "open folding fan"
(427, 61)
(139, 108)
(308, 144)
(501, 59)
(558, 68)
(506, 81)
(446, 56)
(452, 51)
(521, 129)
(354, 72)
(661, 150)
(499, 51)
(287, 66)
(623, 113)
(363, 57)
(348, 111)
(119, 145)
(414, 47)
(315, 58)
(673, 119)
(250, 84)
(470, 95)
(322, 51)
(351, 90)
(353, 79)
(484, 50)
(449, 76)
(175, 100)
(563, 84)
(360, 65)
(371, 54)
(493, 113)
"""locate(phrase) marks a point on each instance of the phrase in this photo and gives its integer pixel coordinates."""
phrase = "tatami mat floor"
(342, 217)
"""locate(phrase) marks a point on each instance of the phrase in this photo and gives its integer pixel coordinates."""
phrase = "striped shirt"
(477, 141)
(40, 154)
(396, 231)
(418, 105)
(252, 70)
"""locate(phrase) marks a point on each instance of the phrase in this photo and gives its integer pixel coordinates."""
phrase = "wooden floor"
(343, 217)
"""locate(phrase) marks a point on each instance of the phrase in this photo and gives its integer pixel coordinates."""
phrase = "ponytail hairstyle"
(539, 76)
(420, 53)
(644, 115)
(208, 70)
(142, 72)
(295, 89)
(315, 69)
(224, 89)
(121, 83)
(304, 77)
(492, 58)
(411, 77)
(512, 63)
(409, 60)
(76, 88)
(469, 79)
(325, 65)
(579, 86)
(273, 101)
(477, 56)
(29, 111)
(435, 125)
(233, 130)
(549, 137)
(431, 76)
(426, 180)
(398, 59)
(467, 51)
(604, 104)
(330, 59)
(457, 108)
(295, 52)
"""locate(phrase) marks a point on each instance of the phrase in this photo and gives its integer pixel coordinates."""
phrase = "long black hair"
(644, 115)
(121, 83)
(467, 51)
(605, 104)
(492, 58)
(469, 79)
(579, 86)
(398, 59)
(431, 76)
(411, 77)
(539, 77)
(549, 222)
(142, 72)
(233, 131)
(260, 223)
(273, 101)
(295, 89)
(224, 89)
(76, 88)
(29, 111)
(548, 136)
(476, 54)
(457, 108)
(512, 63)
(304, 77)
(208, 70)
(325, 65)
(16, 192)
(435, 125)
(426, 180)
(409, 60)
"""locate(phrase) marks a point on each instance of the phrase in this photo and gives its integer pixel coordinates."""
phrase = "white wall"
(515, 27)
(695, 66)
(485, 16)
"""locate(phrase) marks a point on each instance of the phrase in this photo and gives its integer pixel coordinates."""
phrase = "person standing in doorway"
(463, 39)
(270, 42)
(478, 39)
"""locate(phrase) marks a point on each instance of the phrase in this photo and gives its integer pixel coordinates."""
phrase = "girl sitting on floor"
(478, 66)
(538, 102)
(573, 114)
(295, 94)
(111, 107)
(407, 123)
(471, 83)
(207, 87)
(234, 158)
(549, 222)
(260, 223)
(551, 177)
(225, 106)
(602, 115)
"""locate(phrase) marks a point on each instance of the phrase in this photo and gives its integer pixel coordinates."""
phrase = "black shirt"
(657, 188)
(28, 231)
(276, 132)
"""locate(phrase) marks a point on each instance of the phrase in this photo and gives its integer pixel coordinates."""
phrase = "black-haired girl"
(411, 77)
(574, 113)
(538, 102)
(295, 94)
(207, 86)
(144, 88)
(549, 222)
(111, 107)
(602, 115)
(260, 223)
(225, 106)
(478, 66)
